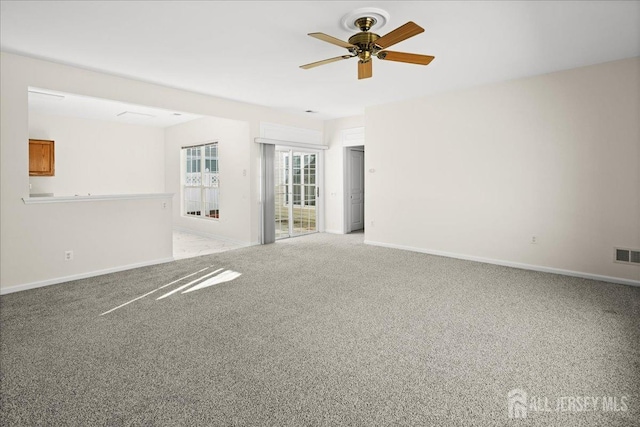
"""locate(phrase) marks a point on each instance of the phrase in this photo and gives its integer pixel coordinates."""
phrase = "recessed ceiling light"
(177, 114)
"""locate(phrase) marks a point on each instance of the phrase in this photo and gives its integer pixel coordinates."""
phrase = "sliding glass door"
(296, 192)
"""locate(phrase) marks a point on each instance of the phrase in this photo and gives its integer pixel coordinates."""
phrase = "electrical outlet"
(164, 205)
(534, 240)
(68, 255)
(372, 224)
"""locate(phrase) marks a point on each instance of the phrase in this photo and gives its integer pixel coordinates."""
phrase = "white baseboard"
(523, 266)
(55, 281)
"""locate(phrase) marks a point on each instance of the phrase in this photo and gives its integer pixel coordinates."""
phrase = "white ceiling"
(251, 51)
(65, 104)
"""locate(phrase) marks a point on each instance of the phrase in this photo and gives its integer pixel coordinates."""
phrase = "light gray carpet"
(319, 330)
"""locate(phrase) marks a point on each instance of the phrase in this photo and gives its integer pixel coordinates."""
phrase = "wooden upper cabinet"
(41, 157)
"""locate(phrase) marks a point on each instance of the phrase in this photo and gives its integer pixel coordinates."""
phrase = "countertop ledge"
(92, 198)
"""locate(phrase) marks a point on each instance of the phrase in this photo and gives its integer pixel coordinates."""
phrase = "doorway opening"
(296, 192)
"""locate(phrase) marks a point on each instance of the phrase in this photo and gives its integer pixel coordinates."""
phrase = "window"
(304, 179)
(201, 181)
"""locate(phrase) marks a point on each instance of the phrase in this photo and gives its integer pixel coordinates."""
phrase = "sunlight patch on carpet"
(178, 289)
(225, 276)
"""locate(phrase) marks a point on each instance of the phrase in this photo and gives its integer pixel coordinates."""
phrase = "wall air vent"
(627, 256)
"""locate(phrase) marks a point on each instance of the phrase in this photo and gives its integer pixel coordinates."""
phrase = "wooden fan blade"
(411, 58)
(365, 69)
(407, 30)
(325, 61)
(329, 39)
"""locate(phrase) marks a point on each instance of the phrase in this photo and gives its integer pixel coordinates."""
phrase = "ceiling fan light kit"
(365, 44)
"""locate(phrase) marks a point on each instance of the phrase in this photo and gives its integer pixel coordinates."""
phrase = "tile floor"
(187, 245)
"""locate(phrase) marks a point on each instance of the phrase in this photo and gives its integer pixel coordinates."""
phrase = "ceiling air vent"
(134, 115)
(627, 256)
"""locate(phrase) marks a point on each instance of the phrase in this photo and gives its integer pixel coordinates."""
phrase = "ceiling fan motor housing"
(365, 40)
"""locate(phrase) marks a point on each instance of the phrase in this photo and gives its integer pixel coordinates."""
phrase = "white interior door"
(296, 192)
(356, 189)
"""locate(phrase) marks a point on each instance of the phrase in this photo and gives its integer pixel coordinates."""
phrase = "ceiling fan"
(365, 45)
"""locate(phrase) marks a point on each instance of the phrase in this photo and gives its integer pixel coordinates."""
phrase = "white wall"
(234, 151)
(99, 157)
(30, 248)
(104, 236)
(334, 175)
(479, 172)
